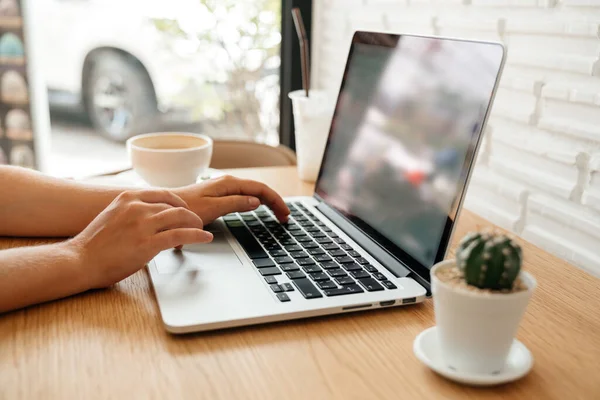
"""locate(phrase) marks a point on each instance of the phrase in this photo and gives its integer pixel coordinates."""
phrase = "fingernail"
(253, 202)
(208, 236)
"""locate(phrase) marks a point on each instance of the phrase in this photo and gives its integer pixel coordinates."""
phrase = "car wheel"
(119, 96)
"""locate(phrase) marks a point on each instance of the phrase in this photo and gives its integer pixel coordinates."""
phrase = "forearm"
(32, 275)
(32, 204)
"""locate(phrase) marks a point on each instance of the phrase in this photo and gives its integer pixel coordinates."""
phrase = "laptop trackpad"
(215, 256)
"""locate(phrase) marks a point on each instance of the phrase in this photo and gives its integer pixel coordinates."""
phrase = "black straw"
(303, 39)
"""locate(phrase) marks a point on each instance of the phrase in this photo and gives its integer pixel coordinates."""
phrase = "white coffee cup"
(170, 159)
(312, 120)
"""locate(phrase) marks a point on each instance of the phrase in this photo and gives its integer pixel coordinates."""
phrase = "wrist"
(76, 268)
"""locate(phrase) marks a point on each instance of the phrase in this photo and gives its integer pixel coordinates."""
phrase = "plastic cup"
(312, 120)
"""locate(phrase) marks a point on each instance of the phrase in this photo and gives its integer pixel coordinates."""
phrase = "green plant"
(489, 260)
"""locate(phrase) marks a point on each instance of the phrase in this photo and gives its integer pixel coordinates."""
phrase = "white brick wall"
(538, 173)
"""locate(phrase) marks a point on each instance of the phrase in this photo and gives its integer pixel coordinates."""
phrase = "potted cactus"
(479, 300)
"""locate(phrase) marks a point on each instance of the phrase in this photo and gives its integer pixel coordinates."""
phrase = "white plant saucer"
(518, 362)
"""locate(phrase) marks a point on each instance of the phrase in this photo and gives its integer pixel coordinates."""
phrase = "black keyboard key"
(298, 234)
(362, 261)
(379, 276)
(276, 288)
(318, 234)
(283, 297)
(333, 235)
(331, 246)
(293, 247)
(306, 224)
(388, 284)
(345, 246)
(305, 261)
(319, 276)
(322, 258)
(350, 289)
(351, 267)
(296, 275)
(337, 253)
(354, 253)
(303, 239)
(345, 281)
(316, 252)
(235, 224)
(249, 218)
(370, 284)
(370, 268)
(360, 274)
(337, 273)
(330, 265)
(310, 245)
(231, 217)
(327, 229)
(293, 227)
(248, 242)
(308, 290)
(324, 240)
(270, 271)
(287, 287)
(278, 253)
(319, 223)
(283, 260)
(313, 228)
(344, 260)
(253, 223)
(271, 280)
(298, 254)
(326, 285)
(310, 269)
(289, 267)
(263, 262)
(272, 247)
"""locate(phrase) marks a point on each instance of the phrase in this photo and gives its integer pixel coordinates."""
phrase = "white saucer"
(131, 178)
(518, 362)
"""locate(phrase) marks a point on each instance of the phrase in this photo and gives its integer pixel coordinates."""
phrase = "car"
(109, 57)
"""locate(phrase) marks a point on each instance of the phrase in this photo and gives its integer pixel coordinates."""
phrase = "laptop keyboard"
(304, 255)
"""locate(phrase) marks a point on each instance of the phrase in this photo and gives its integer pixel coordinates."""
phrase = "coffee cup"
(170, 159)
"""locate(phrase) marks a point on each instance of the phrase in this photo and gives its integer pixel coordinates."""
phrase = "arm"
(32, 204)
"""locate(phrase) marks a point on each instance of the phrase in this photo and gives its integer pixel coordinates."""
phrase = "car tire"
(119, 96)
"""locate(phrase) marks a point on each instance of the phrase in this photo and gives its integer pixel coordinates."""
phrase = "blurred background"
(116, 68)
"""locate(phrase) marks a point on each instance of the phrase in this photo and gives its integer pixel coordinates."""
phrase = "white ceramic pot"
(170, 159)
(476, 330)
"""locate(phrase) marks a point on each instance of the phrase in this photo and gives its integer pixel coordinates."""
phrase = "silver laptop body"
(404, 136)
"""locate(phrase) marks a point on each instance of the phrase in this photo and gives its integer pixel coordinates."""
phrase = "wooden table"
(111, 344)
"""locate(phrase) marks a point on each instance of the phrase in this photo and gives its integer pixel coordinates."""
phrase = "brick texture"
(538, 172)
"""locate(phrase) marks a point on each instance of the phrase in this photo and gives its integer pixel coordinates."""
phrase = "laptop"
(403, 139)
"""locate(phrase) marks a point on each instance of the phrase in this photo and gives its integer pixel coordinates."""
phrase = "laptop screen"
(404, 135)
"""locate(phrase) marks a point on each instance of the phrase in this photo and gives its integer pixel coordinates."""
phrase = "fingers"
(175, 217)
(156, 196)
(267, 196)
(178, 237)
(218, 206)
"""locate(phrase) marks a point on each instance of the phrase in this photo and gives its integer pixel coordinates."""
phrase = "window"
(136, 66)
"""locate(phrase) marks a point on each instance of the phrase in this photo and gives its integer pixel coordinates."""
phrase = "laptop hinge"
(393, 265)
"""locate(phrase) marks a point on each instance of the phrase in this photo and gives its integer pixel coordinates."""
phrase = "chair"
(245, 154)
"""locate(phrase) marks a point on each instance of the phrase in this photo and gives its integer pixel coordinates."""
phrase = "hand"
(131, 231)
(221, 196)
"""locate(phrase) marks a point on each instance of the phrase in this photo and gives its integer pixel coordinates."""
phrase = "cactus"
(489, 260)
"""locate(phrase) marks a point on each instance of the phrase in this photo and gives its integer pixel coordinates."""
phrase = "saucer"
(518, 362)
(131, 178)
